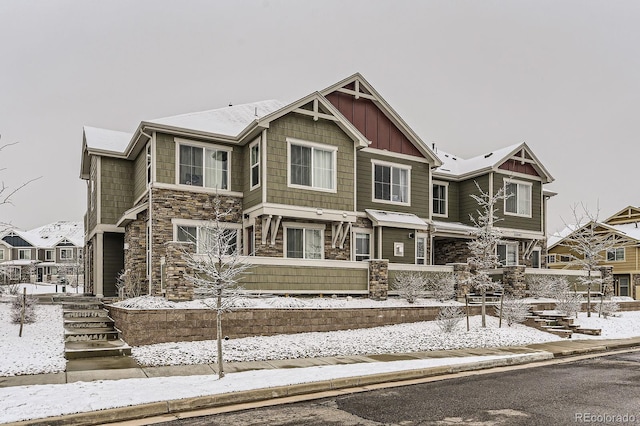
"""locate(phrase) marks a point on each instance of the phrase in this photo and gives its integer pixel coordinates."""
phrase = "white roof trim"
(396, 220)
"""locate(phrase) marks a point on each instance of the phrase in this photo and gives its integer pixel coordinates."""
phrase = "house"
(623, 256)
(326, 192)
(48, 253)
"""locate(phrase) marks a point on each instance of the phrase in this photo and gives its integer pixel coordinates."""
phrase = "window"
(205, 167)
(148, 164)
(24, 254)
(508, 254)
(254, 163)
(564, 258)
(92, 194)
(440, 199)
(615, 255)
(204, 238)
(519, 198)
(391, 183)
(535, 259)
(312, 166)
(362, 246)
(66, 253)
(304, 243)
(421, 250)
(551, 258)
(1, 254)
(48, 255)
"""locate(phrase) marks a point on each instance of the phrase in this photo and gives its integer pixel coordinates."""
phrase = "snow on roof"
(631, 230)
(52, 234)
(558, 236)
(395, 219)
(227, 121)
(107, 140)
(456, 227)
(454, 165)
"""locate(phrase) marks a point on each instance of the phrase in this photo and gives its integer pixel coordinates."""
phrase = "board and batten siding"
(305, 278)
(390, 236)
(112, 262)
(166, 159)
(533, 223)
(116, 195)
(320, 132)
(92, 197)
(420, 189)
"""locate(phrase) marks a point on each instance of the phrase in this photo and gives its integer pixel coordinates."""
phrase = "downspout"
(149, 228)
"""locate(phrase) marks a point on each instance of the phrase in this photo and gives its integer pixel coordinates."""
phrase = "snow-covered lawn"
(43, 288)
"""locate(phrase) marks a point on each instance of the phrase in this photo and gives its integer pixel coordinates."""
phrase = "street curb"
(211, 401)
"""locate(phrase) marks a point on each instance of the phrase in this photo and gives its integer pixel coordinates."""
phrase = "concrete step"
(96, 348)
(70, 306)
(88, 322)
(560, 332)
(85, 313)
(87, 334)
(589, 331)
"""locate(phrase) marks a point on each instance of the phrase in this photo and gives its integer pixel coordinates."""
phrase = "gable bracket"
(339, 232)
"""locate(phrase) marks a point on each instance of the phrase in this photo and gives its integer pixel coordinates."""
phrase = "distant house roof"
(628, 232)
(227, 121)
(49, 236)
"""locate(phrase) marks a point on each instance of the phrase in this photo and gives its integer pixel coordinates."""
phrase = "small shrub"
(448, 318)
(513, 310)
(569, 303)
(29, 310)
(609, 308)
(409, 285)
(546, 286)
(442, 285)
(128, 284)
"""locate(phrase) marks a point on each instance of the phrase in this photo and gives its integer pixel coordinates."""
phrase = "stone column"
(378, 279)
(513, 280)
(607, 280)
(461, 273)
(177, 288)
(635, 283)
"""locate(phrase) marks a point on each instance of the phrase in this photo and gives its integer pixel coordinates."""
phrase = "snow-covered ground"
(40, 350)
(42, 288)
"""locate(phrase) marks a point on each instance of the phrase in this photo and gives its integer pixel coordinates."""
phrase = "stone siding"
(378, 279)
(450, 250)
(513, 281)
(146, 327)
(135, 253)
(176, 286)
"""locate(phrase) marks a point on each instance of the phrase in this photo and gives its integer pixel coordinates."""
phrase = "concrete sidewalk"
(124, 368)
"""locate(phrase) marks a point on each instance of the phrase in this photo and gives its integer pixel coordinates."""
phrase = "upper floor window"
(391, 183)
(312, 165)
(254, 163)
(206, 167)
(304, 241)
(148, 150)
(66, 253)
(518, 201)
(205, 239)
(508, 254)
(48, 255)
(1, 254)
(24, 254)
(440, 199)
(615, 255)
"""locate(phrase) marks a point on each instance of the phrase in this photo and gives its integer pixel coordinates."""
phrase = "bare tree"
(409, 285)
(217, 267)
(483, 247)
(512, 310)
(589, 245)
(442, 285)
(546, 285)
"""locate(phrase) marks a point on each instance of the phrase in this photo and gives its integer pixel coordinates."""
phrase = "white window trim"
(615, 250)
(539, 250)
(149, 164)
(304, 226)
(446, 198)
(24, 251)
(48, 255)
(375, 163)
(1, 254)
(355, 231)
(426, 241)
(258, 164)
(61, 249)
(313, 145)
(509, 244)
(185, 142)
(551, 256)
(518, 182)
(204, 223)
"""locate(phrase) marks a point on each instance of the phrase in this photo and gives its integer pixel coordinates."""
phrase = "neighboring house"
(49, 253)
(623, 258)
(317, 187)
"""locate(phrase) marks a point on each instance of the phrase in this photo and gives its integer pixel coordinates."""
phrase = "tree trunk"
(589, 295)
(484, 308)
(219, 335)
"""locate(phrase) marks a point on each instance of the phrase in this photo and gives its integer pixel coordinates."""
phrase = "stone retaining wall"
(145, 327)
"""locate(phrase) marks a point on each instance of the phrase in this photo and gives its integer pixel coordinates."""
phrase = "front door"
(39, 275)
(623, 286)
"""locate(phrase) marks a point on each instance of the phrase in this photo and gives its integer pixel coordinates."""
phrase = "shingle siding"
(116, 188)
(533, 223)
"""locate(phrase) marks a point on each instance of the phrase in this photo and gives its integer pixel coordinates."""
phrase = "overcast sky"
(471, 76)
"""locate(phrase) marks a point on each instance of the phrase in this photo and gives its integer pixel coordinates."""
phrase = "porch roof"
(452, 228)
(396, 220)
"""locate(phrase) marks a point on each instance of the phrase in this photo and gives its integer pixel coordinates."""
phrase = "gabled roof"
(49, 236)
(627, 233)
(395, 219)
(629, 214)
(458, 168)
(229, 122)
(365, 89)
(97, 139)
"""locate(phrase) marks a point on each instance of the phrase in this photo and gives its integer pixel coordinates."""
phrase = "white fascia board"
(299, 212)
(519, 233)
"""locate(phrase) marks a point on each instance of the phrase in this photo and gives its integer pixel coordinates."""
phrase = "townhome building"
(323, 194)
(52, 253)
(623, 256)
